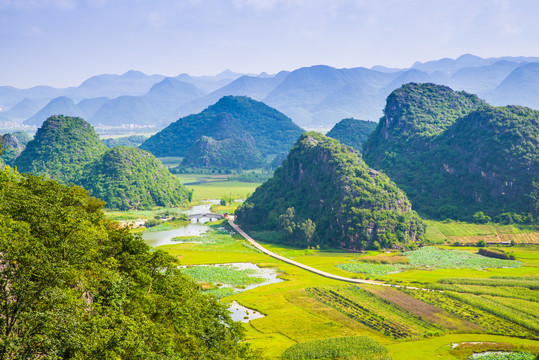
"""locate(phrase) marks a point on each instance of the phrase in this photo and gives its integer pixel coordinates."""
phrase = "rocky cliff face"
(328, 184)
(455, 155)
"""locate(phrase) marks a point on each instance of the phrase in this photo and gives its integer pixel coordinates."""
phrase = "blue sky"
(63, 42)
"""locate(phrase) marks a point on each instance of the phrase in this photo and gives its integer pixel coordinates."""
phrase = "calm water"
(159, 238)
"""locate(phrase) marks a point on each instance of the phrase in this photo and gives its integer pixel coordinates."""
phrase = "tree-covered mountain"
(352, 132)
(455, 155)
(231, 147)
(60, 148)
(324, 194)
(130, 178)
(76, 285)
(272, 131)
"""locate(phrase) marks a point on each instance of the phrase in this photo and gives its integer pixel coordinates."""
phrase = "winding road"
(300, 265)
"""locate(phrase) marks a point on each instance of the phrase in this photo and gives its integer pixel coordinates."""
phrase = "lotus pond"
(430, 258)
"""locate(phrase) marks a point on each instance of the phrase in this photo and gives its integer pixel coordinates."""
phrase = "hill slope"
(130, 178)
(455, 155)
(324, 194)
(231, 147)
(58, 106)
(272, 131)
(61, 146)
(352, 132)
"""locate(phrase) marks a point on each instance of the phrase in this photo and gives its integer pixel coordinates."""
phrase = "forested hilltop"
(352, 132)
(131, 178)
(246, 129)
(76, 285)
(60, 148)
(324, 194)
(68, 150)
(458, 157)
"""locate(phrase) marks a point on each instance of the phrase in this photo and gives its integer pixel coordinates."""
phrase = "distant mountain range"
(313, 97)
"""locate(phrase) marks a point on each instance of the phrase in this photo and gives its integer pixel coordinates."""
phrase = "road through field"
(300, 265)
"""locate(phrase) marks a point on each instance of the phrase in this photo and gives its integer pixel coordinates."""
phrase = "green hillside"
(272, 131)
(130, 178)
(60, 148)
(83, 287)
(231, 147)
(352, 132)
(324, 194)
(455, 155)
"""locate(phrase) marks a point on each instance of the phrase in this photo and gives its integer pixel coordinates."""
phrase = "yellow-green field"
(216, 186)
(466, 233)
(293, 315)
(465, 310)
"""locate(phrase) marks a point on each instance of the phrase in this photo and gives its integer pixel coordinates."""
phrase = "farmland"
(304, 312)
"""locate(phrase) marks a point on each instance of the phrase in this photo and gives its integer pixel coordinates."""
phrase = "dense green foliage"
(272, 131)
(352, 132)
(352, 347)
(74, 285)
(232, 153)
(13, 145)
(325, 195)
(457, 157)
(133, 140)
(130, 178)
(60, 149)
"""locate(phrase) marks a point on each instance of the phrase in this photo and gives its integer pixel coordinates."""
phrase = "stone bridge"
(210, 217)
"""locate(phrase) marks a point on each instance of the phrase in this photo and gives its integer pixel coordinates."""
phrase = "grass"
(216, 189)
(351, 347)
(494, 307)
(370, 269)
(223, 274)
(293, 316)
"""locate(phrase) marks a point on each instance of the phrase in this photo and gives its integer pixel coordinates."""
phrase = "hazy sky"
(63, 42)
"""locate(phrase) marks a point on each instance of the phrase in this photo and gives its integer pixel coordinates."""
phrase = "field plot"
(375, 312)
(467, 233)
(429, 257)
(491, 323)
(352, 347)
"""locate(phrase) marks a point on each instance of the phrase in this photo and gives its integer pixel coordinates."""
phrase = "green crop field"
(486, 304)
(307, 307)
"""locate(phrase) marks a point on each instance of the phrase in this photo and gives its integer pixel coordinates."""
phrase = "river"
(159, 238)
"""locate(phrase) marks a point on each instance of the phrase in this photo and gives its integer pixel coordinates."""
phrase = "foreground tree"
(74, 285)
